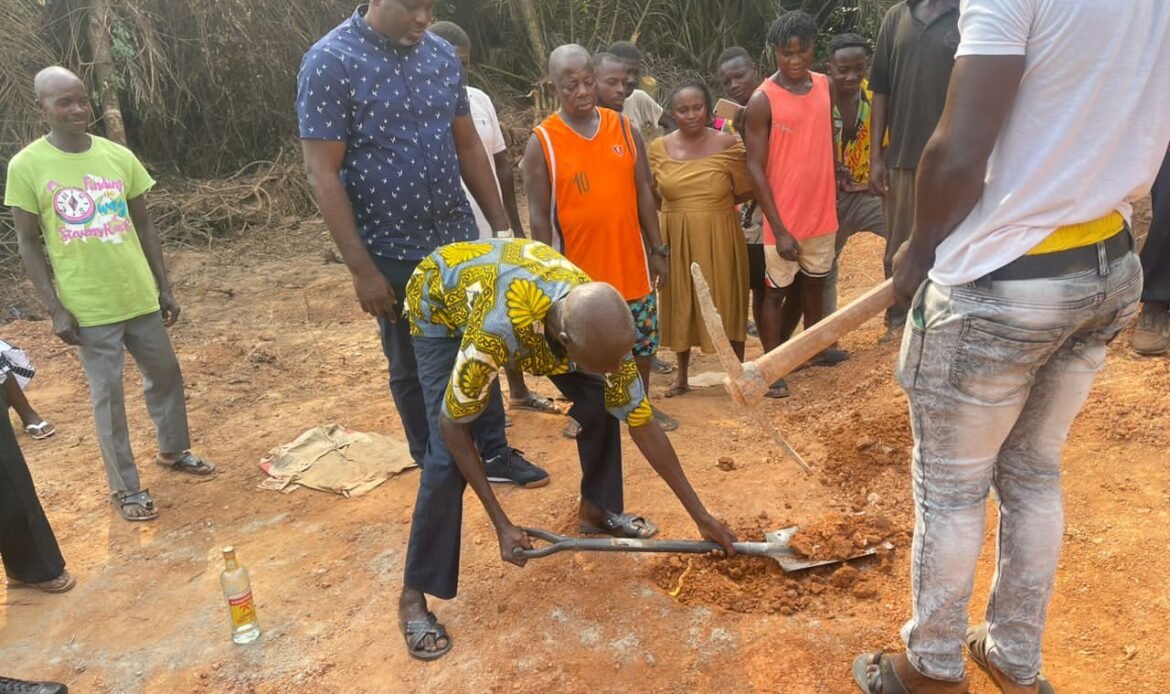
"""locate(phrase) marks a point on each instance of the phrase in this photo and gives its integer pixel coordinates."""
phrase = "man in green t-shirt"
(79, 199)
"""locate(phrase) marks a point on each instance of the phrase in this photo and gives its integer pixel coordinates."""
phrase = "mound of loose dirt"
(839, 536)
(758, 584)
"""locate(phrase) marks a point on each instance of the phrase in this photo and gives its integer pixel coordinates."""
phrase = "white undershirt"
(483, 113)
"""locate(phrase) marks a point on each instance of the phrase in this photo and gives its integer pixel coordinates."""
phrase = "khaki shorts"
(816, 260)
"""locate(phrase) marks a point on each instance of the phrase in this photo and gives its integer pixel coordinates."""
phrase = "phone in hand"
(727, 109)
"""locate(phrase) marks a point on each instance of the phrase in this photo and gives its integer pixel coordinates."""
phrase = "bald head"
(598, 327)
(53, 80)
(571, 72)
(63, 100)
(566, 58)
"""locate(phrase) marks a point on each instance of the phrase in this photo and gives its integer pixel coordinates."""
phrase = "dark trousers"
(404, 386)
(1156, 252)
(27, 544)
(432, 558)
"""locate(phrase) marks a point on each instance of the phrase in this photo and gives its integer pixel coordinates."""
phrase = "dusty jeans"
(995, 373)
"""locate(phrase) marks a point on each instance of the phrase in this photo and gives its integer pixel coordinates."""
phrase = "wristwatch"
(503, 234)
(663, 250)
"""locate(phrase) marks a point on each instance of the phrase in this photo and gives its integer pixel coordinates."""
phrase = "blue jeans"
(404, 386)
(432, 557)
(995, 373)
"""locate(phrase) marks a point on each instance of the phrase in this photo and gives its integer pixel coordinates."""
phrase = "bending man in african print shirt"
(473, 308)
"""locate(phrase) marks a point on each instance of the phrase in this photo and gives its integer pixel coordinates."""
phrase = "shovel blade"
(790, 561)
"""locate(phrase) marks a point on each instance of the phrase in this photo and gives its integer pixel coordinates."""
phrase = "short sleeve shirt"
(81, 200)
(644, 112)
(1081, 142)
(912, 65)
(394, 107)
(487, 125)
(854, 153)
(493, 296)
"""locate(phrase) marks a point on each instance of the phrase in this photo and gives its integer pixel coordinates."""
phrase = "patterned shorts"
(645, 312)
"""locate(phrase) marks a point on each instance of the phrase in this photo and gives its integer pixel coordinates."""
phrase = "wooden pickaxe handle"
(748, 382)
(759, 373)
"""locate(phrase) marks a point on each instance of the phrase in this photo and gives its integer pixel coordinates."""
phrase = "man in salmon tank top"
(789, 140)
(589, 198)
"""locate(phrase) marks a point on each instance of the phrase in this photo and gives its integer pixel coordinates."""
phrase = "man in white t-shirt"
(487, 124)
(1021, 268)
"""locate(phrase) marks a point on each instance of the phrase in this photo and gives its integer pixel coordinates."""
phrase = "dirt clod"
(844, 577)
(838, 536)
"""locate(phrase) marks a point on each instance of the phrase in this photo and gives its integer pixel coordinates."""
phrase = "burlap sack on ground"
(335, 459)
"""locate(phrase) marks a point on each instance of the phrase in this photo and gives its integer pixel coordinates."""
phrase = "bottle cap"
(229, 550)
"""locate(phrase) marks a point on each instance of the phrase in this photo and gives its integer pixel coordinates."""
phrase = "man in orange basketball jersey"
(589, 197)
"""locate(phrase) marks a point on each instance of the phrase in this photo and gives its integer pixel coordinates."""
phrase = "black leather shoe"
(11, 686)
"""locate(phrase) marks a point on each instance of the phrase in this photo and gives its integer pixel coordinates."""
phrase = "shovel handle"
(562, 543)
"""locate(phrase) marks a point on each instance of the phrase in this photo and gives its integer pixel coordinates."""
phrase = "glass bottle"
(237, 589)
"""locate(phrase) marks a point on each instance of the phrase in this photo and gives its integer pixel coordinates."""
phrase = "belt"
(1068, 262)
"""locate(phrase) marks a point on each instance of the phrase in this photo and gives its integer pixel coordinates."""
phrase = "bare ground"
(272, 343)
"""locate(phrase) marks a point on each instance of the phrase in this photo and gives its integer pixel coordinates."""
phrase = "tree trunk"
(532, 26)
(103, 69)
(541, 91)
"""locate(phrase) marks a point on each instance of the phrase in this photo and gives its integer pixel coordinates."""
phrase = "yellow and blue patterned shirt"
(493, 296)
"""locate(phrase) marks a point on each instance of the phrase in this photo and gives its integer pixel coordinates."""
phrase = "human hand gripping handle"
(911, 267)
(512, 540)
(711, 529)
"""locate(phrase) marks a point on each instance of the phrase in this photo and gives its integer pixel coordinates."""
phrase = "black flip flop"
(623, 525)
(977, 648)
(188, 463)
(415, 630)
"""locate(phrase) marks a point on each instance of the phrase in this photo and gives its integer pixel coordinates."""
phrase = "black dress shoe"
(11, 686)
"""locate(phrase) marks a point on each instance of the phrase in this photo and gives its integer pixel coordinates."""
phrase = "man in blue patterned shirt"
(473, 308)
(387, 135)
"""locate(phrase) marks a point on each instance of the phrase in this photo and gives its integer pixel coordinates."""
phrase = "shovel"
(775, 546)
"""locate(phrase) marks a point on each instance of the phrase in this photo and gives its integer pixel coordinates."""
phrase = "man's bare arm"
(152, 248)
(36, 265)
(538, 189)
(879, 177)
(954, 163)
(758, 130)
(648, 215)
(476, 170)
(647, 208)
(463, 449)
(508, 191)
(323, 161)
(659, 452)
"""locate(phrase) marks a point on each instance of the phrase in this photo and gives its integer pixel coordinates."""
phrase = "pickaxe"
(748, 382)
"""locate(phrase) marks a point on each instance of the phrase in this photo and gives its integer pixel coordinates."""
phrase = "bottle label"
(242, 609)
